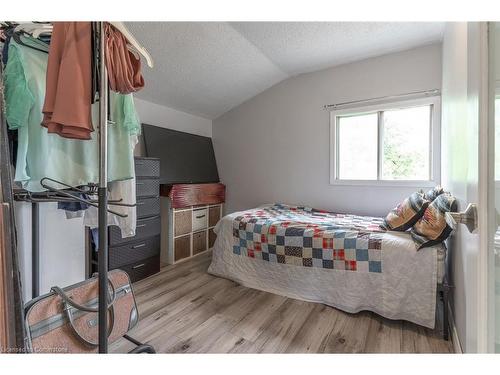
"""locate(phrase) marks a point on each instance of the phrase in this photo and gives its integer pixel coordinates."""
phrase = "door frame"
(486, 191)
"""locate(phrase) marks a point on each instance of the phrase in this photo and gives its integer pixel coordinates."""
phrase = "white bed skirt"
(406, 289)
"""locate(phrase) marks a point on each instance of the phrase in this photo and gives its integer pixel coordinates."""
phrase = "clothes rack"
(101, 189)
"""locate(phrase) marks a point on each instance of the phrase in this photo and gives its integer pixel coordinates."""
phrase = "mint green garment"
(41, 154)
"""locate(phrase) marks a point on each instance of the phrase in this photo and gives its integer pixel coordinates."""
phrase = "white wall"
(275, 147)
(62, 256)
(62, 243)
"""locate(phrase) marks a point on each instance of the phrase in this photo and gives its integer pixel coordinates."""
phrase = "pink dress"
(124, 68)
(67, 106)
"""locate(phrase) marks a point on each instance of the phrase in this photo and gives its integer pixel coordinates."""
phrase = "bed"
(345, 261)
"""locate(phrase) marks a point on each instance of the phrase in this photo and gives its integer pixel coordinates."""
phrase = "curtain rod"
(414, 94)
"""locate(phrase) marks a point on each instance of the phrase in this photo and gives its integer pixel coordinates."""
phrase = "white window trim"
(435, 140)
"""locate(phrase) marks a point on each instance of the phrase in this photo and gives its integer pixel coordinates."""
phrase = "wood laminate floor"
(183, 309)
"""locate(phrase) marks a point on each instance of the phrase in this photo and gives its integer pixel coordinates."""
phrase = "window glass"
(406, 144)
(357, 147)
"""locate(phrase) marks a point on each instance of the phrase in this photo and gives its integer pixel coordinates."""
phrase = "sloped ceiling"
(208, 68)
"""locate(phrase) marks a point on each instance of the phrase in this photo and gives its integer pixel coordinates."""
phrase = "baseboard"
(457, 347)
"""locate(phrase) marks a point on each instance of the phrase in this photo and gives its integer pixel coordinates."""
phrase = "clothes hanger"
(34, 28)
(120, 26)
(41, 31)
(17, 37)
(44, 184)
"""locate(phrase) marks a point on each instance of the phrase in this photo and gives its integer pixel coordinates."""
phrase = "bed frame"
(443, 290)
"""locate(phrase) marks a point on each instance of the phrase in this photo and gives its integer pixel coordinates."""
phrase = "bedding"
(407, 213)
(433, 193)
(345, 261)
(433, 227)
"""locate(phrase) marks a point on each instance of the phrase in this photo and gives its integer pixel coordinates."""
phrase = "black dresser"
(139, 256)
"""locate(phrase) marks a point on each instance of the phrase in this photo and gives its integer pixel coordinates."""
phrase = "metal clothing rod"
(54, 195)
(74, 188)
(102, 258)
(410, 95)
(86, 201)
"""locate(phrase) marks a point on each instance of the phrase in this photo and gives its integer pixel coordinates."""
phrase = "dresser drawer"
(200, 219)
(143, 268)
(133, 252)
(148, 207)
(145, 228)
(199, 242)
(147, 187)
(147, 167)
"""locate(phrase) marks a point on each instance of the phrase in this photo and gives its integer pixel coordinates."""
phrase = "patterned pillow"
(433, 228)
(407, 213)
(434, 193)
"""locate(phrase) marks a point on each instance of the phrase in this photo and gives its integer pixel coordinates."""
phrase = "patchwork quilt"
(307, 237)
(345, 261)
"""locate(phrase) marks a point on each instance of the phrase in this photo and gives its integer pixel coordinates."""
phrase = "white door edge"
(485, 190)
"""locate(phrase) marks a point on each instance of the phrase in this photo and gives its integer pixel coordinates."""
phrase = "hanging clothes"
(74, 209)
(48, 155)
(74, 162)
(124, 190)
(24, 75)
(96, 82)
(5, 48)
(12, 134)
(68, 97)
(124, 68)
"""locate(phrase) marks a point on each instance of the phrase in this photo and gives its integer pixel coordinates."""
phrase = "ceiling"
(208, 68)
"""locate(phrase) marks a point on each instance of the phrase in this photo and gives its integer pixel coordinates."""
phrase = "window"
(389, 144)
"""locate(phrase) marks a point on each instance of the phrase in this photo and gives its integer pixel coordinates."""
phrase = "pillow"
(407, 213)
(433, 228)
(434, 193)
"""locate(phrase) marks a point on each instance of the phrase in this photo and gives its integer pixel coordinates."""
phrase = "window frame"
(434, 146)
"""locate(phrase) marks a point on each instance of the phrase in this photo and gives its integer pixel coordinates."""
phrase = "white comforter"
(406, 289)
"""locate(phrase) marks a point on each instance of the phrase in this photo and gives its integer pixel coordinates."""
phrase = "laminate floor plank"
(228, 343)
(280, 327)
(250, 326)
(384, 335)
(312, 336)
(349, 333)
(183, 309)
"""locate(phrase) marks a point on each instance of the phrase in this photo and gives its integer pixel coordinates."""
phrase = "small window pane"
(357, 147)
(406, 144)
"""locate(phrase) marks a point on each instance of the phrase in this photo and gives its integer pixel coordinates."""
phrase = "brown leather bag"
(66, 321)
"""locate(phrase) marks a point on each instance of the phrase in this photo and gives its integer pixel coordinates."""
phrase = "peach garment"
(124, 68)
(67, 106)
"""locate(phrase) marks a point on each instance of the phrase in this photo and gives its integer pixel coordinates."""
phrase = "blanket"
(307, 237)
(344, 261)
